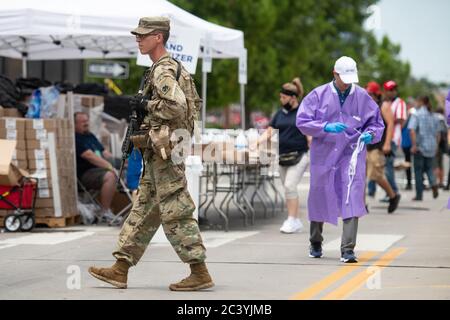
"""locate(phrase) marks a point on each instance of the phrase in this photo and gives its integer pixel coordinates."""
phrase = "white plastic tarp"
(82, 29)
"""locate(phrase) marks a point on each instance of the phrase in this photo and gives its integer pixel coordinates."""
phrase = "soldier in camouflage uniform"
(163, 197)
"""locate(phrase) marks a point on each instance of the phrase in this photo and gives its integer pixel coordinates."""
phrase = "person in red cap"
(398, 107)
(376, 153)
(373, 89)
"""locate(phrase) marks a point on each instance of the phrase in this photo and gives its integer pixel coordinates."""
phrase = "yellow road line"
(332, 278)
(357, 281)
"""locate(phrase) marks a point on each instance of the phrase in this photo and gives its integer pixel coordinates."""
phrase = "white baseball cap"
(347, 70)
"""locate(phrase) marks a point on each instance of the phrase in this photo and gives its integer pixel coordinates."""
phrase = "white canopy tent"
(86, 29)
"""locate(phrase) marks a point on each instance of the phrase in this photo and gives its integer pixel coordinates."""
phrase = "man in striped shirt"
(398, 107)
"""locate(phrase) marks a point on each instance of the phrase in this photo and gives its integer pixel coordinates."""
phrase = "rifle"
(127, 145)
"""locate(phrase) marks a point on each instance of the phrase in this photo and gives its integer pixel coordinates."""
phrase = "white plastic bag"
(87, 212)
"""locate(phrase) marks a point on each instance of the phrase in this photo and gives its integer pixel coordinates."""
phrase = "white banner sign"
(183, 45)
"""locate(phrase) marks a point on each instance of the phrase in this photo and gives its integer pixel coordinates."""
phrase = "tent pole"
(243, 106)
(24, 57)
(24, 67)
(204, 97)
(243, 82)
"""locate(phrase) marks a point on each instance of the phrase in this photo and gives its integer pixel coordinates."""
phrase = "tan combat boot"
(199, 279)
(117, 275)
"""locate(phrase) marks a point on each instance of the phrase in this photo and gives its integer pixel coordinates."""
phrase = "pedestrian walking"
(438, 163)
(376, 153)
(424, 138)
(342, 118)
(447, 108)
(398, 107)
(447, 116)
(163, 197)
(293, 150)
(373, 89)
(406, 147)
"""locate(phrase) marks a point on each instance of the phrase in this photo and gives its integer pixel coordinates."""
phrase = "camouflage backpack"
(193, 100)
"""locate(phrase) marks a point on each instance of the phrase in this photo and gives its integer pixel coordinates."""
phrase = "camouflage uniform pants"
(163, 198)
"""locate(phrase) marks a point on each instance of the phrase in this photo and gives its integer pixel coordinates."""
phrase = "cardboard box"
(38, 134)
(39, 154)
(13, 123)
(19, 155)
(39, 124)
(41, 174)
(37, 144)
(44, 193)
(10, 175)
(66, 172)
(44, 183)
(62, 144)
(21, 164)
(223, 152)
(37, 164)
(88, 101)
(4, 212)
(2, 112)
(67, 124)
(12, 112)
(12, 134)
(44, 203)
(69, 142)
(44, 212)
(21, 145)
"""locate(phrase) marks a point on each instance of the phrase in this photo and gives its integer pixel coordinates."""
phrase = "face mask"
(287, 107)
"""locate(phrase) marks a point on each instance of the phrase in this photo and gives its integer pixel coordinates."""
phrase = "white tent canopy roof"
(82, 29)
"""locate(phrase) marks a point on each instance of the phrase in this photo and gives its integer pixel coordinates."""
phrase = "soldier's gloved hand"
(138, 103)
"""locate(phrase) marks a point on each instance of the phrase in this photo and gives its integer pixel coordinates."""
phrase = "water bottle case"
(241, 141)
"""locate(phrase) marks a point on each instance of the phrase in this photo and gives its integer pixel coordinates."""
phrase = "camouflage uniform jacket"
(167, 104)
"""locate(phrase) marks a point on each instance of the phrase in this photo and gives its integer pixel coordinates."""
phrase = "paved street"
(403, 256)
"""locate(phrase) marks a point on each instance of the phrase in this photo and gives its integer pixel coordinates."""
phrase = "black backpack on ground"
(10, 96)
(91, 88)
(26, 86)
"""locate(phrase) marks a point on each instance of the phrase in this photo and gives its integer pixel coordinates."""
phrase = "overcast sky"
(423, 30)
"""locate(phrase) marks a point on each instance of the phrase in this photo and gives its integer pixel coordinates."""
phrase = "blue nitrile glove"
(366, 137)
(336, 127)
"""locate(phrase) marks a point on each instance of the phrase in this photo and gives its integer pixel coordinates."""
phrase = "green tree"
(285, 39)
(382, 63)
(289, 38)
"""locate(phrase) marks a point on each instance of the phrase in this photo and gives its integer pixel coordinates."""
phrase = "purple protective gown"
(447, 113)
(331, 153)
(447, 108)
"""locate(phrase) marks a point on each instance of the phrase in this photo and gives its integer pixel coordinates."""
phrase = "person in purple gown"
(341, 118)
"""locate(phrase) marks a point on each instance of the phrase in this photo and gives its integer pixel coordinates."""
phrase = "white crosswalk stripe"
(214, 239)
(50, 238)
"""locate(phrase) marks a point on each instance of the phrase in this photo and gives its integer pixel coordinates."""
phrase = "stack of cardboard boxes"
(32, 154)
(87, 101)
(10, 112)
(39, 165)
(14, 129)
